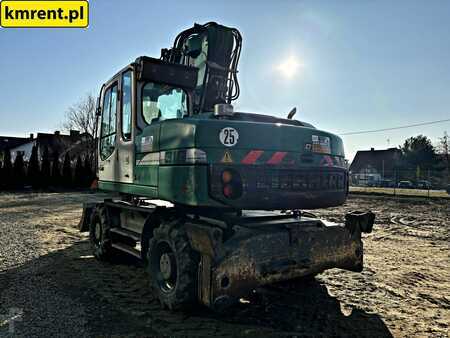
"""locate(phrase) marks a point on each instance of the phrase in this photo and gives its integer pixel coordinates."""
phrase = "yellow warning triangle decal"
(227, 157)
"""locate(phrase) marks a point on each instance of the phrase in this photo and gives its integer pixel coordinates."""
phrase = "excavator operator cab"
(198, 74)
(142, 95)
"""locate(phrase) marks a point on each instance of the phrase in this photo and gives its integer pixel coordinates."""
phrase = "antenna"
(292, 113)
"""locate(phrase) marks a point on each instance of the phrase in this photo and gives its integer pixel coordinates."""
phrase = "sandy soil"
(50, 285)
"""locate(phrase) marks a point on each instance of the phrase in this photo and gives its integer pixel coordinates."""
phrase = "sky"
(346, 65)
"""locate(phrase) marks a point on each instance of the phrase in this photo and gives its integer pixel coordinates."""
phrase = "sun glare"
(289, 67)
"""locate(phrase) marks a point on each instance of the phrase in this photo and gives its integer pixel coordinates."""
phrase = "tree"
(2, 178)
(443, 147)
(19, 170)
(444, 150)
(7, 169)
(87, 169)
(81, 115)
(67, 171)
(33, 168)
(78, 173)
(45, 168)
(418, 152)
(56, 172)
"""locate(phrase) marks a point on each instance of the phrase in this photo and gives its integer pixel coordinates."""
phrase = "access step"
(126, 233)
(128, 249)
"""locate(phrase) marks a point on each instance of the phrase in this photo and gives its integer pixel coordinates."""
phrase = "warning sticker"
(321, 144)
(227, 157)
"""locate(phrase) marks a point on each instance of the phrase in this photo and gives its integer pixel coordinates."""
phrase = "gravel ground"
(50, 285)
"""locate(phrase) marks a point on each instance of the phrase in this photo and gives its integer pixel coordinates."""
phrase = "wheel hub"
(166, 265)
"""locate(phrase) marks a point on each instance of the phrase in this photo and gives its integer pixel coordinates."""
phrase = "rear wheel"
(99, 234)
(172, 266)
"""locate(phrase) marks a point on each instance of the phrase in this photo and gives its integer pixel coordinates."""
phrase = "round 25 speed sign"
(228, 136)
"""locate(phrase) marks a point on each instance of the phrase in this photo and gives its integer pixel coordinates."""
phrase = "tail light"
(231, 184)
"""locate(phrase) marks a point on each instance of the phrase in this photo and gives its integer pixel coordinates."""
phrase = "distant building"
(9, 142)
(371, 167)
(74, 143)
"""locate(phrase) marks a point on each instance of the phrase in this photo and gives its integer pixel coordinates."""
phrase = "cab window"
(108, 126)
(126, 106)
(163, 102)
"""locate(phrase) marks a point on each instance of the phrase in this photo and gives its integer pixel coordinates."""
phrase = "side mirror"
(98, 111)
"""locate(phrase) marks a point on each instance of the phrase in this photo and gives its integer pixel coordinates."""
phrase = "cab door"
(125, 140)
(107, 165)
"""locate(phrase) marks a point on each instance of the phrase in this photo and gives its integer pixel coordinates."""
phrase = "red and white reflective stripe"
(277, 157)
(252, 157)
(327, 161)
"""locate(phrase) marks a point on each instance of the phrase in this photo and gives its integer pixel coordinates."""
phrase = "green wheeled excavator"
(209, 198)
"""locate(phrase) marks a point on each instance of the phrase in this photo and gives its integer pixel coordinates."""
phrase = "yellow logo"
(21, 14)
(227, 157)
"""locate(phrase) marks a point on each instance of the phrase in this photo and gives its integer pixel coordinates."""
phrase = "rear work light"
(231, 184)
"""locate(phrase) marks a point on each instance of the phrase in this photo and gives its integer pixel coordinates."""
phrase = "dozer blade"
(261, 254)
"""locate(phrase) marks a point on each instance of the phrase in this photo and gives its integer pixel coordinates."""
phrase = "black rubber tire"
(101, 247)
(183, 294)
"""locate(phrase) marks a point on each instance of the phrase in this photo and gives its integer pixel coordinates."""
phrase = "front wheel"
(172, 266)
(99, 234)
